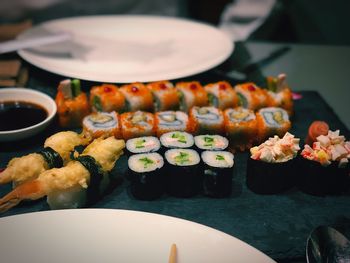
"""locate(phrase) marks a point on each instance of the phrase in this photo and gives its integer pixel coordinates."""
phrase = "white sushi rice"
(211, 142)
(143, 144)
(145, 162)
(101, 121)
(172, 120)
(182, 157)
(271, 114)
(177, 139)
(220, 159)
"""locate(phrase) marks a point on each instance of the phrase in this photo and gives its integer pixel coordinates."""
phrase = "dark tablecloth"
(278, 225)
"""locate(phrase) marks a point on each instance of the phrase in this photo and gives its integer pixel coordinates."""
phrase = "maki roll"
(72, 104)
(325, 165)
(137, 97)
(271, 166)
(183, 177)
(144, 144)
(102, 124)
(165, 95)
(106, 98)
(210, 142)
(221, 95)
(217, 173)
(279, 94)
(191, 94)
(272, 121)
(145, 175)
(137, 124)
(251, 96)
(241, 128)
(206, 120)
(167, 121)
(176, 140)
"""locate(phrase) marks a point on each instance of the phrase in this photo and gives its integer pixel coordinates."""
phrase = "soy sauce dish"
(24, 112)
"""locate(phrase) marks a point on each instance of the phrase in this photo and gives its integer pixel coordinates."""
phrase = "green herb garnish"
(146, 161)
(139, 143)
(180, 137)
(220, 157)
(182, 158)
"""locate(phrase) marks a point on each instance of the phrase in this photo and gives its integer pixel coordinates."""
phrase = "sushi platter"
(183, 150)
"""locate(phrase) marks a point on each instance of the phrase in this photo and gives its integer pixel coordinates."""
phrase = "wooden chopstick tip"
(173, 254)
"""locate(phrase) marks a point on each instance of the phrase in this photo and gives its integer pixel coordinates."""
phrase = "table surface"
(278, 225)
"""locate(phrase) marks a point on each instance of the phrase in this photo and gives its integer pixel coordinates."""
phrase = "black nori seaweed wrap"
(53, 159)
(319, 180)
(270, 178)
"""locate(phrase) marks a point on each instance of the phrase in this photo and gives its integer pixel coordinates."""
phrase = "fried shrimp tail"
(32, 190)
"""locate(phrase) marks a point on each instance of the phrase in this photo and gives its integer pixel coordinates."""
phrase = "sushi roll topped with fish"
(167, 121)
(165, 95)
(145, 144)
(206, 120)
(271, 166)
(326, 165)
(177, 139)
(210, 142)
(221, 95)
(191, 94)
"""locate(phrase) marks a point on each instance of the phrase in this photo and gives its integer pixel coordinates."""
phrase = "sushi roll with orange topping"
(272, 121)
(165, 95)
(72, 104)
(106, 98)
(241, 127)
(102, 124)
(167, 121)
(221, 95)
(251, 96)
(206, 120)
(191, 94)
(279, 94)
(136, 124)
(137, 97)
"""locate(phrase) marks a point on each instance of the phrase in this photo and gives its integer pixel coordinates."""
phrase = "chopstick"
(172, 256)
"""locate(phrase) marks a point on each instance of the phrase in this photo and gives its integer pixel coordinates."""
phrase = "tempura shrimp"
(74, 179)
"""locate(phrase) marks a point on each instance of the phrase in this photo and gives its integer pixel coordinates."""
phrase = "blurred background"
(294, 21)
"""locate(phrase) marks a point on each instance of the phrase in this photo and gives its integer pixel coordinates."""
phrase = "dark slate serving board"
(278, 225)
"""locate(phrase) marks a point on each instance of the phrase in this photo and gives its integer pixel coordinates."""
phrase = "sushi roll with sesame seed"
(191, 94)
(217, 173)
(165, 96)
(102, 124)
(221, 95)
(144, 173)
(241, 128)
(206, 120)
(272, 121)
(136, 124)
(167, 121)
(183, 177)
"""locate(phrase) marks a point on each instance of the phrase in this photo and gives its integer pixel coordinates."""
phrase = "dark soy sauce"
(16, 115)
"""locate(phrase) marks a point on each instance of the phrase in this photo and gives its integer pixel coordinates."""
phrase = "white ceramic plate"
(126, 49)
(108, 235)
(33, 96)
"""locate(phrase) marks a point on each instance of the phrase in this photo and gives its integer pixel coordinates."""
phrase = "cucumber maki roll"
(183, 178)
(145, 144)
(176, 140)
(271, 167)
(145, 175)
(217, 173)
(325, 165)
(210, 142)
